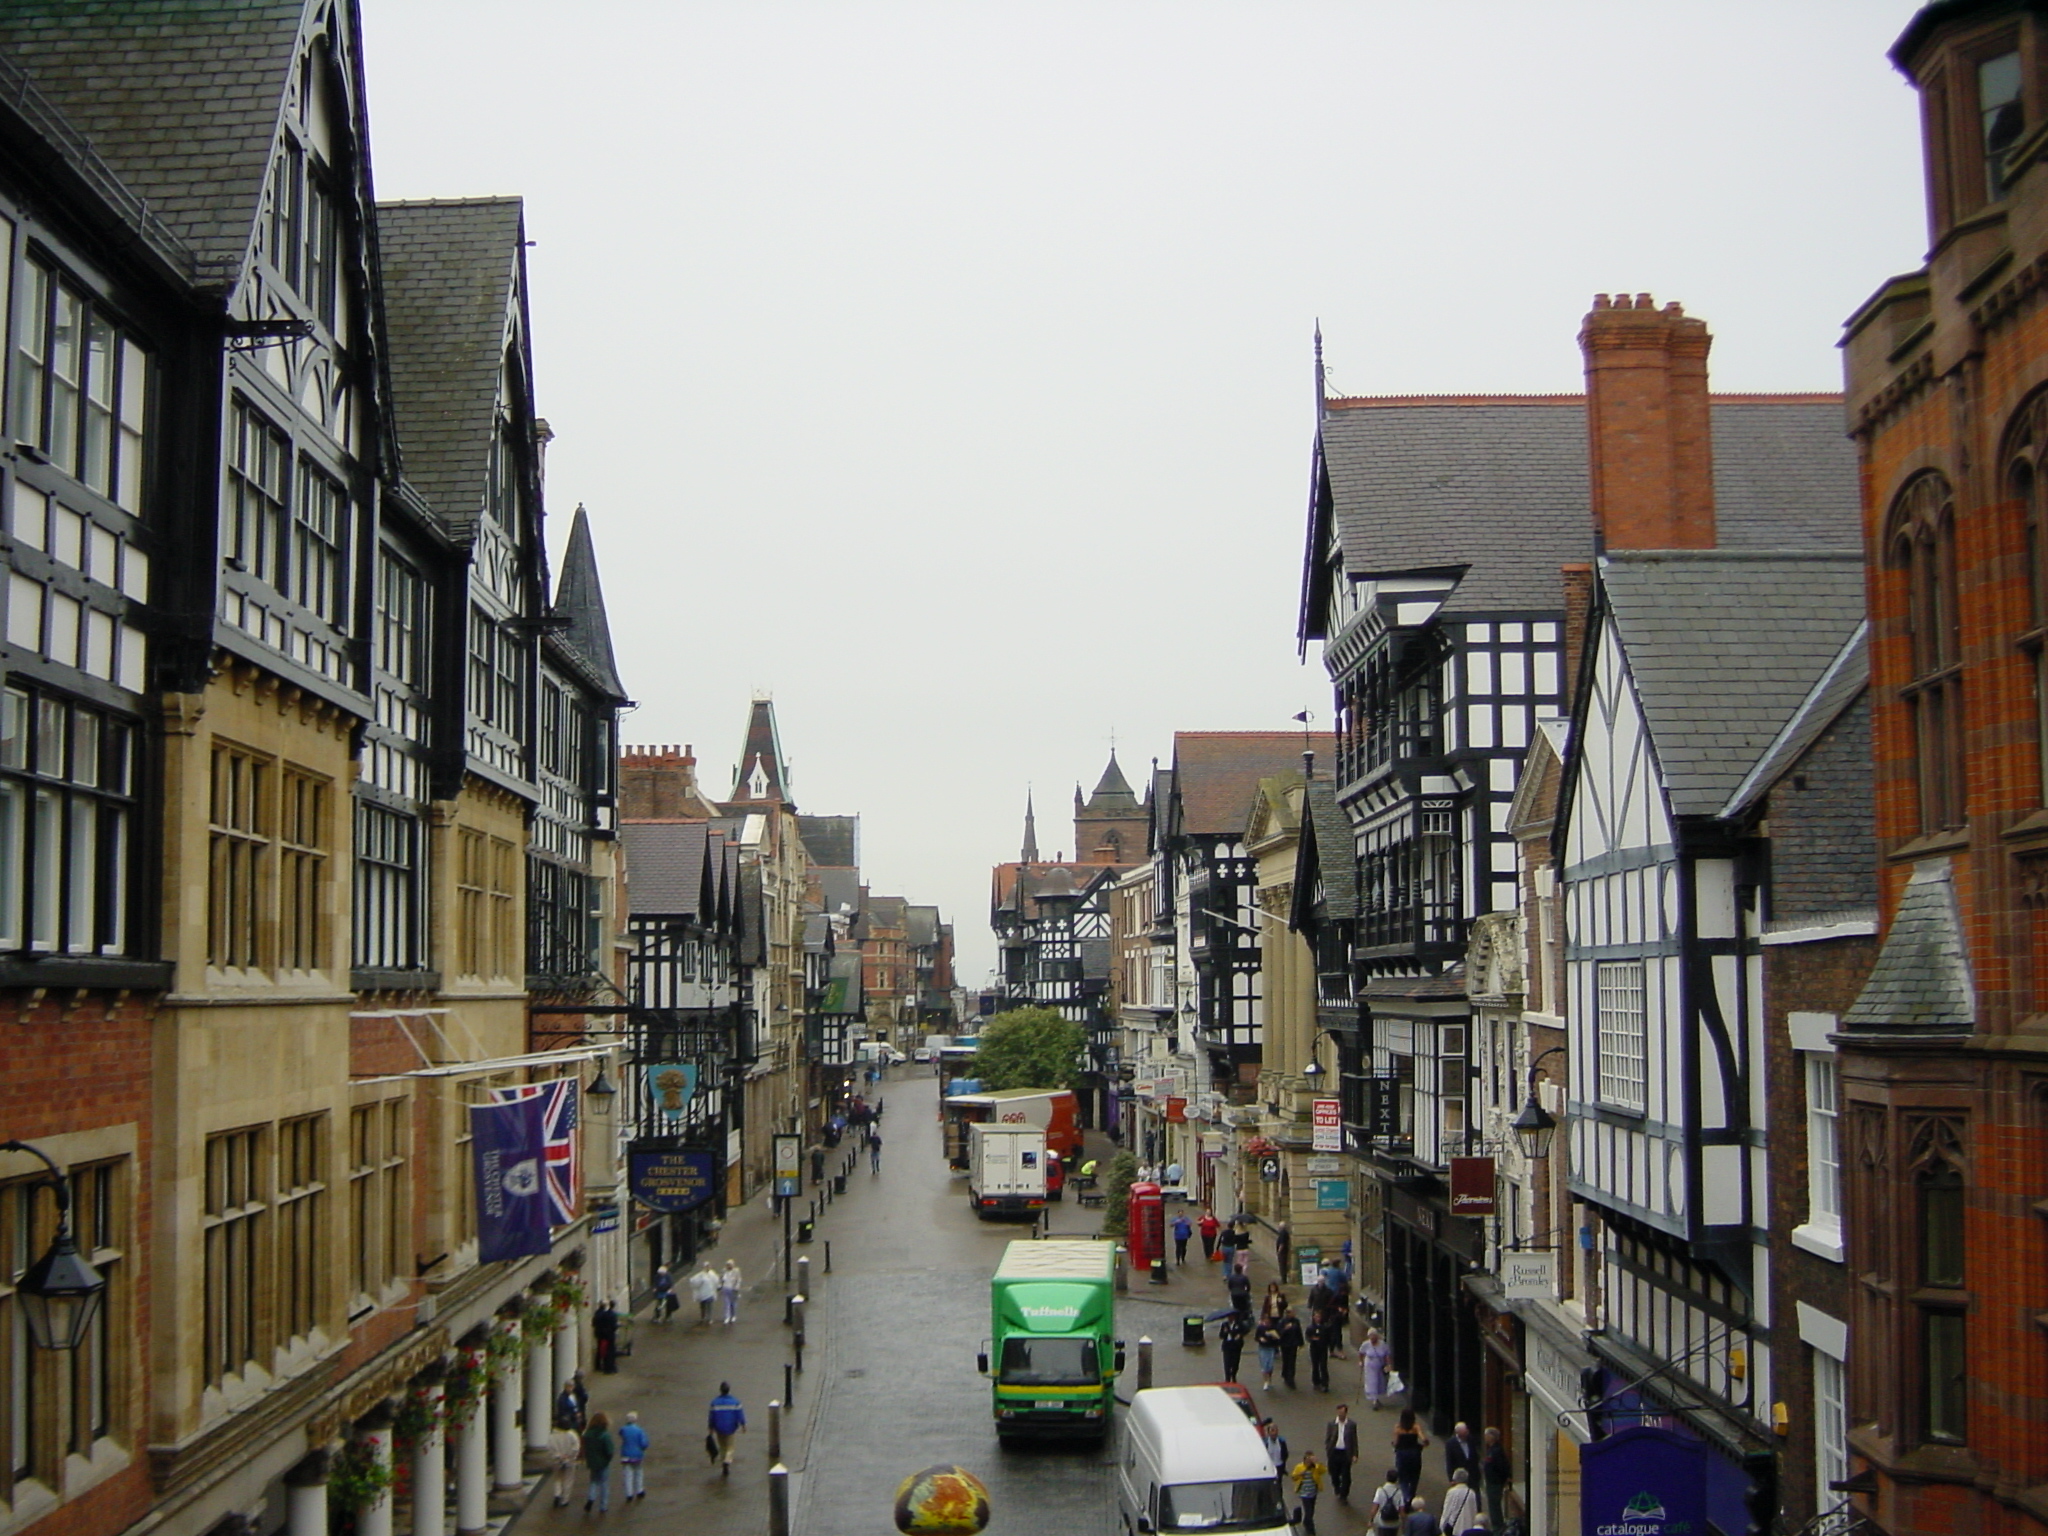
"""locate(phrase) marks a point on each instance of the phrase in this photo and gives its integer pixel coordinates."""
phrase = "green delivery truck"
(1053, 1354)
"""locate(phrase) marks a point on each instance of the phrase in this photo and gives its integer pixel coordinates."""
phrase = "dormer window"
(2002, 117)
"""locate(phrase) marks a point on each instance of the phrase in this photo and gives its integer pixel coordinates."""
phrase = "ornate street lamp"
(1535, 1125)
(60, 1293)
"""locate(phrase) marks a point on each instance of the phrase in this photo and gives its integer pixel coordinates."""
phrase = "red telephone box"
(1146, 1231)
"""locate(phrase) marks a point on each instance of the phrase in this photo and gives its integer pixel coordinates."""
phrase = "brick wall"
(1823, 847)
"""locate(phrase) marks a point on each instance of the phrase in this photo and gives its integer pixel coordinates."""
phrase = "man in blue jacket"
(728, 1418)
(633, 1452)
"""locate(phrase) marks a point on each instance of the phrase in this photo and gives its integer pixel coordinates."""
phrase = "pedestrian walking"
(1283, 1244)
(1183, 1229)
(1420, 1521)
(565, 1452)
(704, 1291)
(1460, 1504)
(1461, 1453)
(1495, 1472)
(664, 1294)
(728, 1418)
(569, 1404)
(1240, 1287)
(632, 1453)
(874, 1149)
(1267, 1337)
(604, 1328)
(598, 1451)
(1208, 1226)
(1308, 1487)
(1276, 1444)
(1340, 1450)
(729, 1284)
(1317, 1336)
(1389, 1509)
(1375, 1365)
(1290, 1344)
(1236, 1324)
(817, 1163)
(1409, 1442)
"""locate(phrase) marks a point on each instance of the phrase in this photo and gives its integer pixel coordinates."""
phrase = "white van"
(1193, 1462)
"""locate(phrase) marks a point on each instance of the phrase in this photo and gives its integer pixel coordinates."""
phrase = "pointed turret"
(763, 772)
(1112, 790)
(579, 599)
(1030, 851)
(1111, 827)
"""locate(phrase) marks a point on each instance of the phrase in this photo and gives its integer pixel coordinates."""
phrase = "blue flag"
(509, 1142)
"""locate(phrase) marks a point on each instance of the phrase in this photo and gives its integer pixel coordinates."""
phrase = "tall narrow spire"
(1320, 395)
(1030, 853)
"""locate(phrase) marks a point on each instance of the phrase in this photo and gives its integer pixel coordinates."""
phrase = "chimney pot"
(1649, 426)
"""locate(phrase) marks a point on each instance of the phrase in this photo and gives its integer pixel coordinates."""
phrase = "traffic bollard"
(803, 1275)
(788, 1382)
(774, 1429)
(778, 1500)
(799, 1325)
(1144, 1363)
(789, 1309)
(1123, 1268)
(828, 1255)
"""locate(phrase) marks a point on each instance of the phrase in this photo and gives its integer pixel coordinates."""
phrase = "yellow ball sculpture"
(942, 1501)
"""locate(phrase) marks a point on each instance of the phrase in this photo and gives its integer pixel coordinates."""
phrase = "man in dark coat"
(1461, 1453)
(1231, 1335)
(1340, 1450)
(604, 1327)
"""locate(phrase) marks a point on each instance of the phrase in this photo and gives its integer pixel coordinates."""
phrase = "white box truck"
(1005, 1170)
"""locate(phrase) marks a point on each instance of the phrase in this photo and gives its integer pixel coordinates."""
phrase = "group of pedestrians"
(708, 1287)
(582, 1438)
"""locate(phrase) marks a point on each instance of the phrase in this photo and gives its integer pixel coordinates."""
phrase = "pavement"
(889, 1384)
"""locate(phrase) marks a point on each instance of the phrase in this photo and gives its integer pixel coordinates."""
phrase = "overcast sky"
(945, 369)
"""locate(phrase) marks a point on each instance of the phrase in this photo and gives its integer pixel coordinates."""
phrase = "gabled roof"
(762, 752)
(1328, 849)
(580, 599)
(840, 889)
(1217, 773)
(1834, 691)
(1723, 647)
(666, 873)
(1497, 486)
(922, 926)
(833, 841)
(451, 270)
(1533, 810)
(181, 98)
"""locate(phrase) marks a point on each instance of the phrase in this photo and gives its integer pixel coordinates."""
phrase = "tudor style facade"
(1943, 1060)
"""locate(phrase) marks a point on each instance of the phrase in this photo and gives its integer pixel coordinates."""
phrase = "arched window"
(2027, 481)
(1922, 544)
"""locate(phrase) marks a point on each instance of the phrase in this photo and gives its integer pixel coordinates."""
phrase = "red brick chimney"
(1648, 425)
(660, 784)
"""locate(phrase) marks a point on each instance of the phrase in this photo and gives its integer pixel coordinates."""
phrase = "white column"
(567, 1338)
(306, 1497)
(430, 1471)
(375, 1517)
(507, 1464)
(540, 1395)
(472, 1476)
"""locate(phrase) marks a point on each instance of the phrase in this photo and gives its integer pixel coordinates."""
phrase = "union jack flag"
(558, 1116)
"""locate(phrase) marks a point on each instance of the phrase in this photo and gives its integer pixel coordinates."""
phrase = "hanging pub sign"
(673, 1182)
(1177, 1111)
(670, 1086)
(1472, 1186)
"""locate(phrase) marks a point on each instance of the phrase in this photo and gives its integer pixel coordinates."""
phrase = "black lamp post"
(60, 1293)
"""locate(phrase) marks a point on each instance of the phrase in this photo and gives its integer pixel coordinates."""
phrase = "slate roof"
(1217, 773)
(1835, 689)
(922, 926)
(579, 598)
(450, 268)
(763, 746)
(831, 840)
(665, 867)
(181, 98)
(1723, 647)
(1327, 827)
(1921, 981)
(1499, 484)
(840, 888)
(1113, 791)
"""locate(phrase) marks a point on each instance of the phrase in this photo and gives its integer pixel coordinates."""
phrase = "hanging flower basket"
(537, 1324)
(503, 1350)
(568, 1295)
(356, 1478)
(467, 1384)
(419, 1416)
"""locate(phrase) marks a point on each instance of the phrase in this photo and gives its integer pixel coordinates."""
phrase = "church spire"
(1030, 853)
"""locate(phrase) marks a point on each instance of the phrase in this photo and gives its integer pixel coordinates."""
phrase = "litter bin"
(803, 1230)
(1159, 1271)
(1191, 1330)
(838, 1183)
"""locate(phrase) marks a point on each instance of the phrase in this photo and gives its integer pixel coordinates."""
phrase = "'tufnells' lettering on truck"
(1050, 1311)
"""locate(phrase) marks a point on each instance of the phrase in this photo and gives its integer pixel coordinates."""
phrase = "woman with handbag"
(1375, 1365)
(1409, 1443)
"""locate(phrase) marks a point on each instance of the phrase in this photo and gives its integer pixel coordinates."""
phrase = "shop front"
(1432, 1320)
